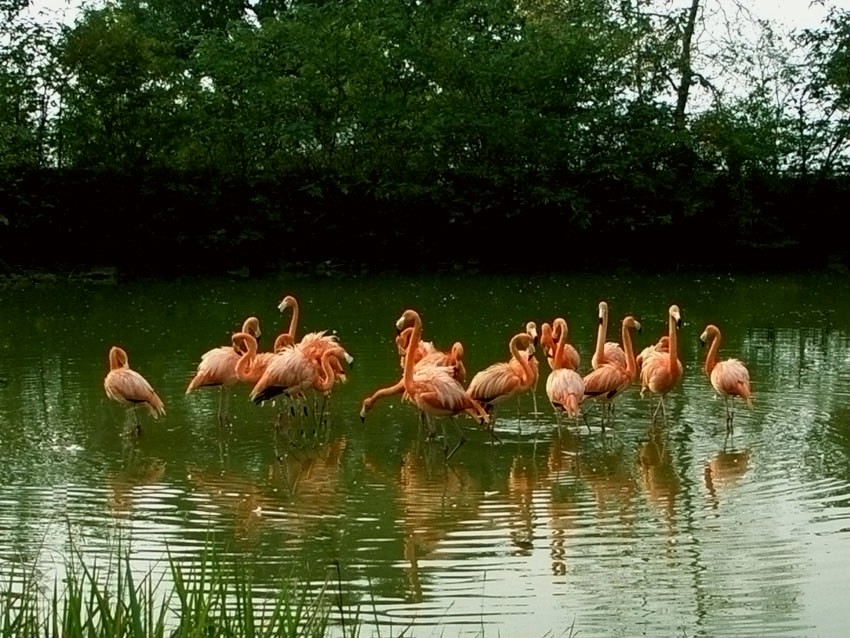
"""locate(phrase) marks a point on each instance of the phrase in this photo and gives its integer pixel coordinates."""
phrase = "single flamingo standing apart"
(660, 372)
(606, 351)
(130, 388)
(610, 379)
(729, 378)
(500, 381)
(218, 366)
(564, 386)
(433, 389)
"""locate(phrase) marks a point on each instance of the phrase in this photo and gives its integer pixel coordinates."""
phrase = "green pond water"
(666, 529)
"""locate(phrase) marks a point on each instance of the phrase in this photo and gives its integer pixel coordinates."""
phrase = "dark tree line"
(380, 133)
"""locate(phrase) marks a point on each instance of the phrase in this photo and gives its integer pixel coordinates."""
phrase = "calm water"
(667, 530)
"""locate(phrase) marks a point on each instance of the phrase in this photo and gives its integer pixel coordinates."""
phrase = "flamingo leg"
(460, 442)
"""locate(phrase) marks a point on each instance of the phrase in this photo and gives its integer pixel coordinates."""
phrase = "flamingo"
(551, 336)
(424, 355)
(295, 369)
(433, 389)
(500, 381)
(610, 379)
(130, 388)
(531, 331)
(606, 351)
(564, 386)
(218, 366)
(729, 378)
(662, 371)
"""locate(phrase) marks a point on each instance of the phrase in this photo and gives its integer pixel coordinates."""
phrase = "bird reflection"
(724, 469)
(660, 480)
(137, 472)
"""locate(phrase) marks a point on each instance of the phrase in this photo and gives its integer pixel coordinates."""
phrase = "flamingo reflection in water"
(433, 499)
(723, 470)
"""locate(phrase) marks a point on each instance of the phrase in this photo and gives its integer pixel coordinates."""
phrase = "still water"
(665, 529)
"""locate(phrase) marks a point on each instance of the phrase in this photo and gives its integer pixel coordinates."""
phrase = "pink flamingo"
(606, 351)
(433, 389)
(424, 355)
(218, 366)
(662, 371)
(729, 378)
(500, 381)
(610, 379)
(564, 386)
(130, 388)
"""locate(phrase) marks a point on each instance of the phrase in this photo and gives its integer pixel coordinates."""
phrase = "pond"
(665, 528)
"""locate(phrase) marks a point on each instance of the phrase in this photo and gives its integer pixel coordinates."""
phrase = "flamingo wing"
(606, 381)
(217, 367)
(495, 383)
(731, 378)
(131, 388)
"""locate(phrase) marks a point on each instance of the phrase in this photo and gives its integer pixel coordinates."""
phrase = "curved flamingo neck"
(326, 379)
(412, 344)
(631, 364)
(711, 357)
(293, 322)
(243, 366)
(117, 359)
(527, 372)
(560, 344)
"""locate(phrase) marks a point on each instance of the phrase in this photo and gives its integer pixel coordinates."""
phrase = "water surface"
(660, 529)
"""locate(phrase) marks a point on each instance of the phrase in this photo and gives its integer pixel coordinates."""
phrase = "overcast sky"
(796, 13)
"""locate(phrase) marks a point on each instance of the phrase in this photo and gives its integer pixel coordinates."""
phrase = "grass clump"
(205, 599)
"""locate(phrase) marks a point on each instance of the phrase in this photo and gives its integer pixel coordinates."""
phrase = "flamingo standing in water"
(531, 331)
(218, 366)
(729, 378)
(425, 354)
(500, 381)
(662, 371)
(564, 386)
(606, 351)
(433, 389)
(130, 388)
(610, 379)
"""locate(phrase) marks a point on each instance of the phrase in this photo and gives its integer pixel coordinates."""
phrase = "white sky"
(793, 13)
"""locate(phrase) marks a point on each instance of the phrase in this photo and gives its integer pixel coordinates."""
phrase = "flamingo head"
(252, 326)
(531, 329)
(676, 314)
(287, 302)
(407, 317)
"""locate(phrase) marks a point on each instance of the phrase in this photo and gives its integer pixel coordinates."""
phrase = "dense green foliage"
(315, 131)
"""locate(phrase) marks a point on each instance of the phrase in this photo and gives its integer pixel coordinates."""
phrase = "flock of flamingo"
(433, 380)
